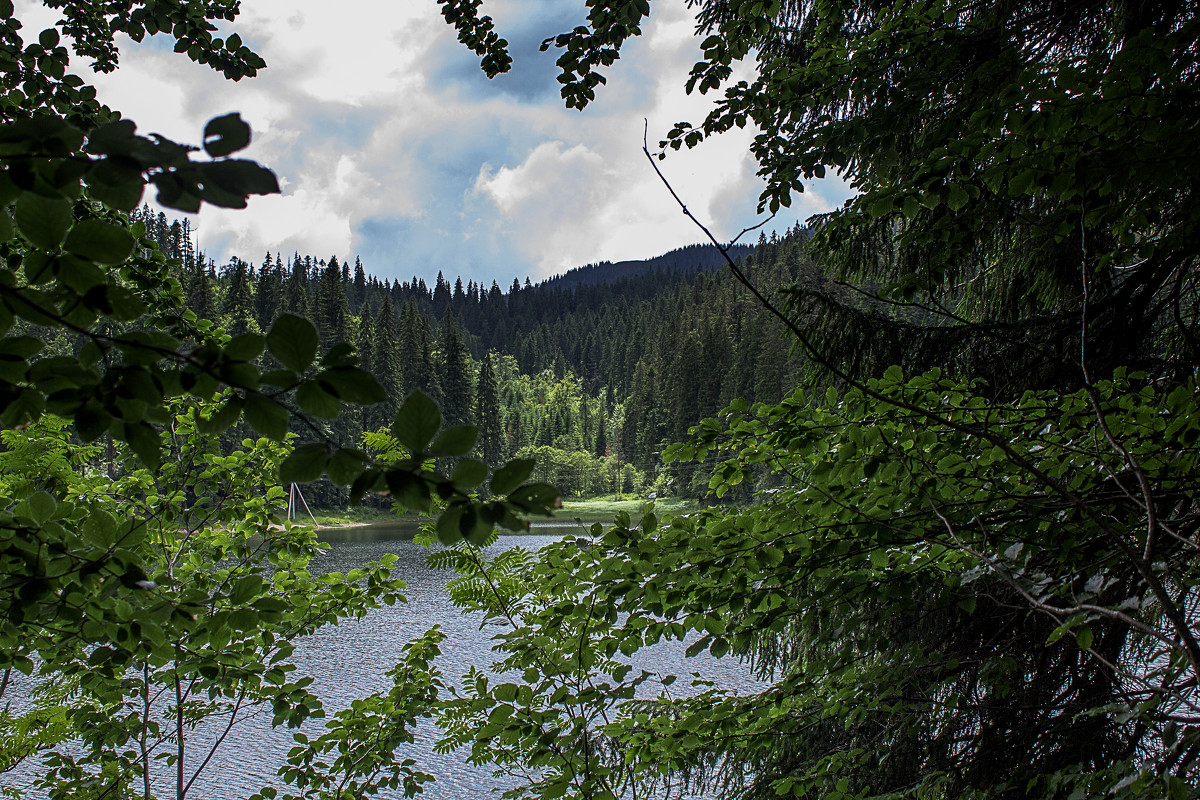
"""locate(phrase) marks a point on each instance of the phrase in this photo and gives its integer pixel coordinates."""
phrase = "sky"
(391, 145)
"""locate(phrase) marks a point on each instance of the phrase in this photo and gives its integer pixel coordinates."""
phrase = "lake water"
(351, 660)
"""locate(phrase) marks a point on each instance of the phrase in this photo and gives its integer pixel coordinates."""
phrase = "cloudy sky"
(391, 145)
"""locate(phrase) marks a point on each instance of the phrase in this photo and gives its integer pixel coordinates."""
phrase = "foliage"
(1070, 671)
(212, 624)
(578, 474)
(142, 572)
(357, 754)
(979, 581)
(74, 264)
(540, 730)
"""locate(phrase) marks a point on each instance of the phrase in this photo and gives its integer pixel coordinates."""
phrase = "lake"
(351, 660)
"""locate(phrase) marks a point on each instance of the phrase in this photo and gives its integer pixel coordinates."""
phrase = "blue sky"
(391, 145)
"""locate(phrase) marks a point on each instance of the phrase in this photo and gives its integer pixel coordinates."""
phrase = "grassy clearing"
(354, 515)
(602, 509)
(592, 509)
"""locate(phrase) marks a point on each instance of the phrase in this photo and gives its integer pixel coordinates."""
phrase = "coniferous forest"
(584, 372)
(945, 438)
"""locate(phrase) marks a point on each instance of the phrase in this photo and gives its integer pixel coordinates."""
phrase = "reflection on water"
(351, 660)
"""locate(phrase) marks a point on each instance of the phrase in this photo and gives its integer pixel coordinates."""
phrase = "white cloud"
(386, 141)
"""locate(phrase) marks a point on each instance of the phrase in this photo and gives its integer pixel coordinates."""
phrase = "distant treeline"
(593, 371)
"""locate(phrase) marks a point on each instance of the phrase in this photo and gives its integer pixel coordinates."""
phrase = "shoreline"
(579, 512)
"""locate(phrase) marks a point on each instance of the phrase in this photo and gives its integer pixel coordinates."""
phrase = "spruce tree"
(386, 361)
(332, 309)
(417, 369)
(489, 414)
(237, 308)
(295, 290)
(358, 291)
(600, 447)
(268, 293)
(454, 374)
(200, 290)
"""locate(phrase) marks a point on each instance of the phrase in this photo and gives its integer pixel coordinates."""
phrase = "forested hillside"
(592, 373)
(955, 532)
(692, 258)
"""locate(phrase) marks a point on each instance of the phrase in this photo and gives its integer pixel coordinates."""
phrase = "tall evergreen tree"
(416, 353)
(332, 309)
(295, 290)
(441, 294)
(358, 291)
(489, 415)
(454, 374)
(200, 289)
(237, 308)
(268, 294)
(386, 361)
(600, 446)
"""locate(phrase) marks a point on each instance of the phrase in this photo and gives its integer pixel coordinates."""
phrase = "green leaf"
(316, 401)
(957, 197)
(246, 347)
(511, 475)
(91, 421)
(121, 196)
(225, 135)
(82, 275)
(475, 527)
(408, 489)
(448, 529)
(293, 342)
(41, 507)
(145, 443)
(38, 267)
(340, 355)
(267, 417)
(100, 241)
(469, 473)
(305, 464)
(44, 221)
(279, 377)
(226, 183)
(20, 347)
(539, 498)
(505, 692)
(416, 422)
(880, 206)
(246, 588)
(223, 417)
(353, 385)
(346, 465)
(1084, 637)
(118, 137)
(456, 441)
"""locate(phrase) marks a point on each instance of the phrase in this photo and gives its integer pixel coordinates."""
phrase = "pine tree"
(454, 374)
(295, 290)
(332, 309)
(200, 290)
(441, 294)
(237, 308)
(386, 362)
(268, 294)
(489, 415)
(416, 353)
(600, 448)
(358, 292)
